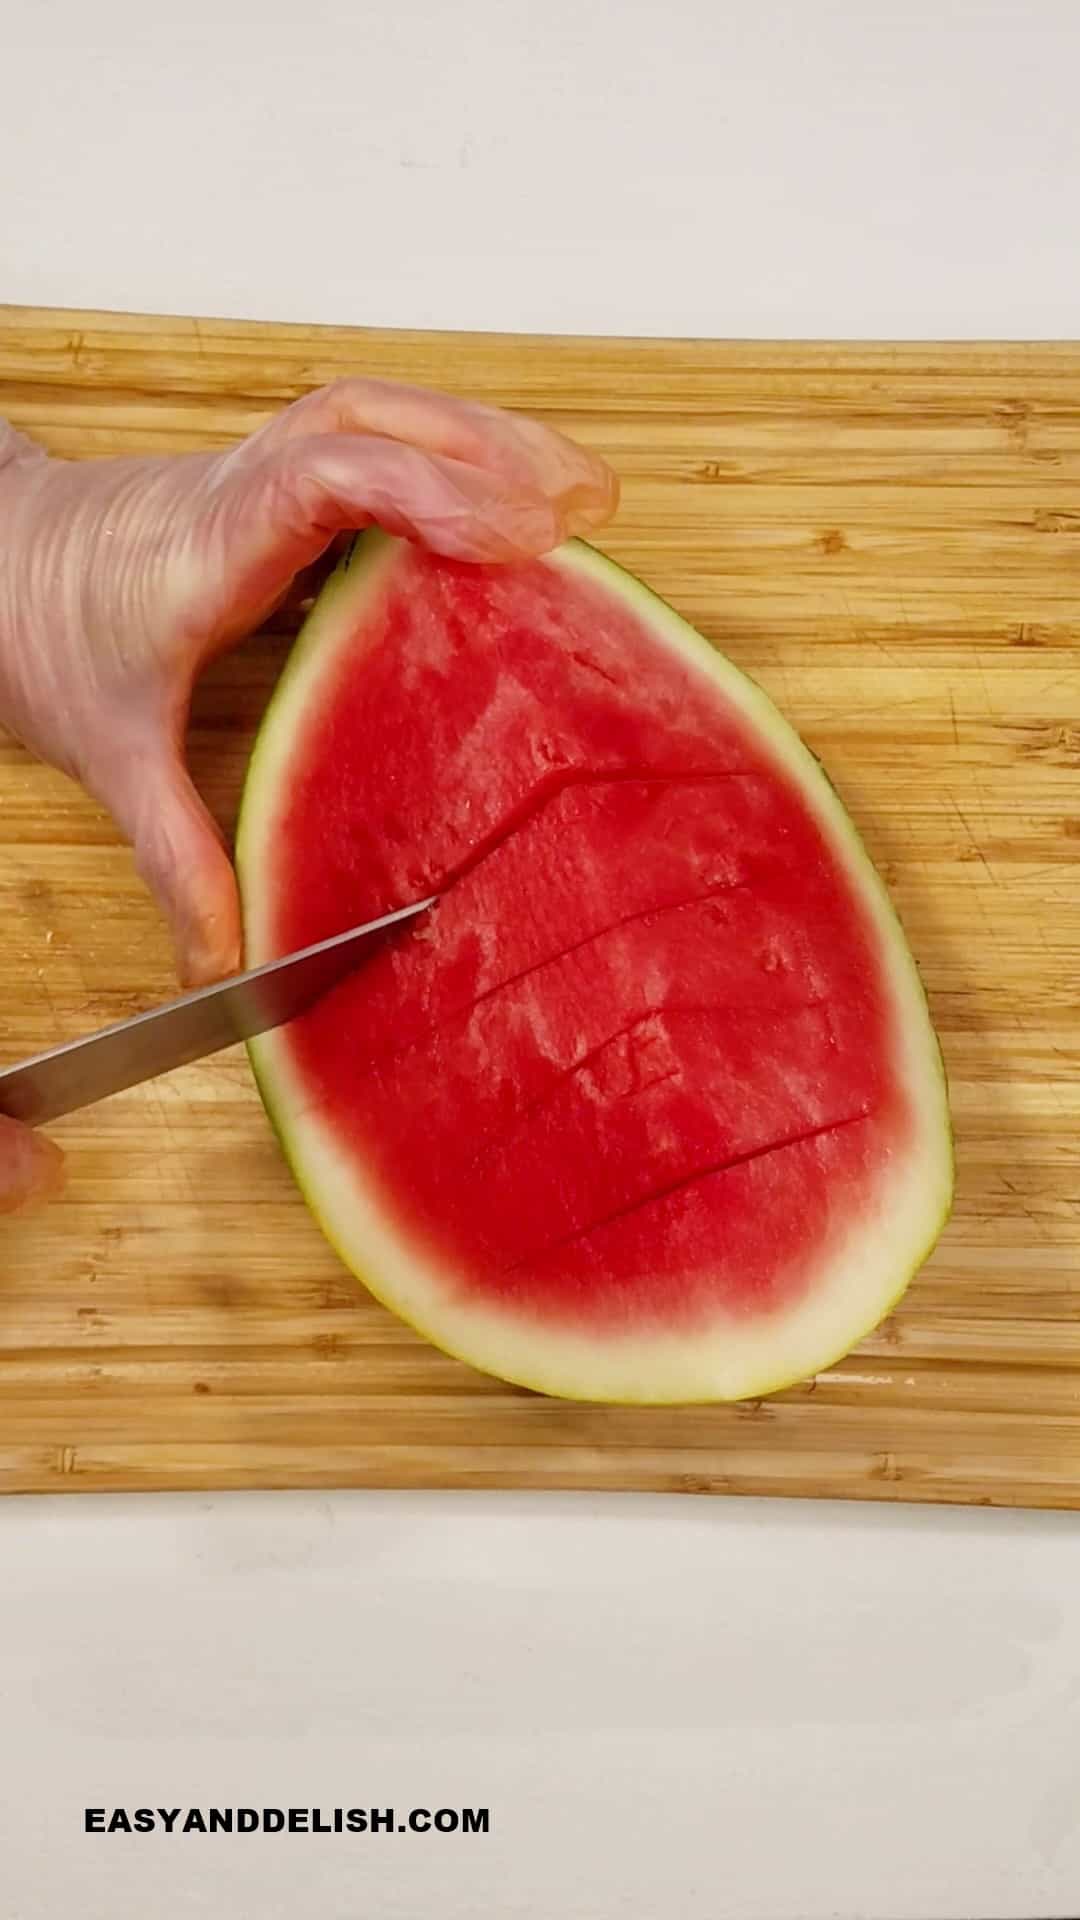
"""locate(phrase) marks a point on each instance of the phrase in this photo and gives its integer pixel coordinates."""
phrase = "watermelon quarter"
(648, 1107)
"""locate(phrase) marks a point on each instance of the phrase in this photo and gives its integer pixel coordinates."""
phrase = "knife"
(80, 1073)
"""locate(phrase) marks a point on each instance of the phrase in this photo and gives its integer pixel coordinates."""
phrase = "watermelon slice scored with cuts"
(648, 1107)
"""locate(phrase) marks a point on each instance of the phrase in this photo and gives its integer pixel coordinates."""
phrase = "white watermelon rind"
(740, 1356)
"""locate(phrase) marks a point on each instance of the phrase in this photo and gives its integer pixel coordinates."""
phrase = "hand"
(120, 579)
(31, 1166)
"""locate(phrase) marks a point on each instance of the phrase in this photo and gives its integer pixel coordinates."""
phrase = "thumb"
(180, 855)
(31, 1167)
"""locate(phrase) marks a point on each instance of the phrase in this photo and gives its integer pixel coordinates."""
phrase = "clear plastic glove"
(120, 579)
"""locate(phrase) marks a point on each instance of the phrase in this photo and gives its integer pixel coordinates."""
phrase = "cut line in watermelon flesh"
(648, 1105)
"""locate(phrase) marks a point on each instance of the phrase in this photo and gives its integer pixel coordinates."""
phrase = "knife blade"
(81, 1072)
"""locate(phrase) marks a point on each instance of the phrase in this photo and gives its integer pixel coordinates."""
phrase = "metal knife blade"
(81, 1072)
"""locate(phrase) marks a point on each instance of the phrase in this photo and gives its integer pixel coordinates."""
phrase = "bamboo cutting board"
(888, 538)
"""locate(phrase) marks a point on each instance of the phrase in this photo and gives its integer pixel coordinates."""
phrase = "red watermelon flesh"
(635, 1110)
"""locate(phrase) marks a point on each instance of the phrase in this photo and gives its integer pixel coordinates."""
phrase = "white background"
(672, 1708)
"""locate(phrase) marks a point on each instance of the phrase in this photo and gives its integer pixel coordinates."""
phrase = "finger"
(31, 1166)
(282, 516)
(180, 855)
(336, 480)
(528, 454)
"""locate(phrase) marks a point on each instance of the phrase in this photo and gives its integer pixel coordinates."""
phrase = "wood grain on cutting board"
(888, 538)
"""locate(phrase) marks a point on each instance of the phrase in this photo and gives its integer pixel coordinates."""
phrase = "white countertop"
(671, 1708)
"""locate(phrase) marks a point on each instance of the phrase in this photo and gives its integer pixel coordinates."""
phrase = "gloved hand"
(120, 579)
